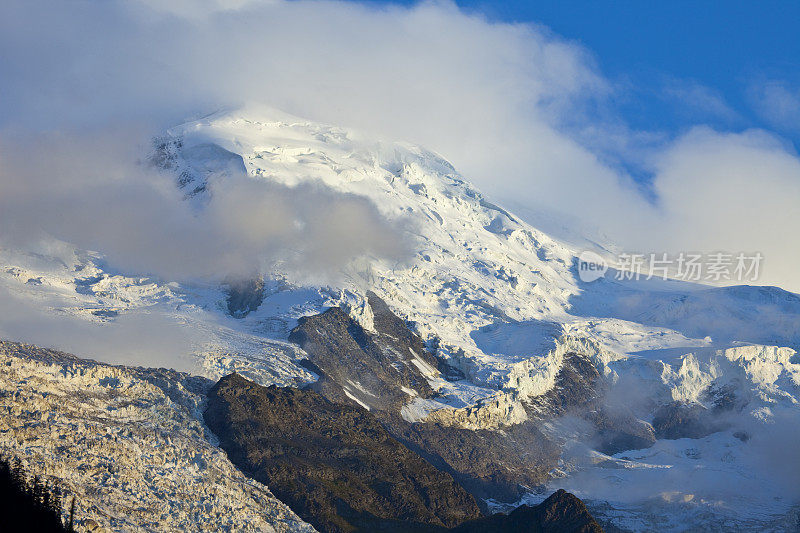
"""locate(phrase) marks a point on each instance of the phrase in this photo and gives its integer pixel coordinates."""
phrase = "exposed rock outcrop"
(377, 370)
(245, 296)
(562, 512)
(678, 420)
(334, 464)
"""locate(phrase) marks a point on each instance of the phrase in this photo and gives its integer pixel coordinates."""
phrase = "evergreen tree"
(30, 506)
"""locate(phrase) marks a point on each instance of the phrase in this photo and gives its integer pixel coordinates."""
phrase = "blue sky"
(681, 62)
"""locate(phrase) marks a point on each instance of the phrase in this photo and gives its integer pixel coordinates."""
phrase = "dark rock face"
(490, 464)
(333, 464)
(678, 420)
(562, 512)
(372, 367)
(396, 334)
(245, 296)
(578, 390)
(723, 399)
(617, 432)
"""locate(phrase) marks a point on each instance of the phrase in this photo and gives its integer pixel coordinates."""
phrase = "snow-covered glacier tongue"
(668, 404)
(128, 445)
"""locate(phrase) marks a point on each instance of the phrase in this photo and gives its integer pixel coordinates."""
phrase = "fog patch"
(133, 339)
(97, 192)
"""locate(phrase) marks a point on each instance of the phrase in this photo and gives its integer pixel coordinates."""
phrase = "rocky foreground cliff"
(131, 447)
(339, 469)
(334, 464)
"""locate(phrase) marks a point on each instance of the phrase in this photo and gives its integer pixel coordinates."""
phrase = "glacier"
(139, 434)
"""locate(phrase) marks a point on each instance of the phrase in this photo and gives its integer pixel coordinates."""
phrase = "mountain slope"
(492, 298)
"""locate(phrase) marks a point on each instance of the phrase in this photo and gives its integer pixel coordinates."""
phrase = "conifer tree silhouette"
(30, 505)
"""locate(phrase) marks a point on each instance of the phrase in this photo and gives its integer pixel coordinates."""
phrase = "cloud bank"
(141, 339)
(524, 114)
(89, 190)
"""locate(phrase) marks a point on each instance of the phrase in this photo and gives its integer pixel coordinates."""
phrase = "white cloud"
(699, 100)
(197, 9)
(89, 190)
(491, 97)
(778, 103)
(730, 192)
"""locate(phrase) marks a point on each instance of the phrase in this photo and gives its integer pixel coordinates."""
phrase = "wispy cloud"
(778, 103)
(90, 191)
(700, 101)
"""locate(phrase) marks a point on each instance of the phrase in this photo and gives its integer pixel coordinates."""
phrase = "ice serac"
(128, 444)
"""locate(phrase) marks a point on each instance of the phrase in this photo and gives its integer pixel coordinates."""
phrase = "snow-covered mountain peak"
(470, 253)
(482, 281)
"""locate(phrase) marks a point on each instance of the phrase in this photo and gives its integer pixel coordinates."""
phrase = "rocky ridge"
(332, 463)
